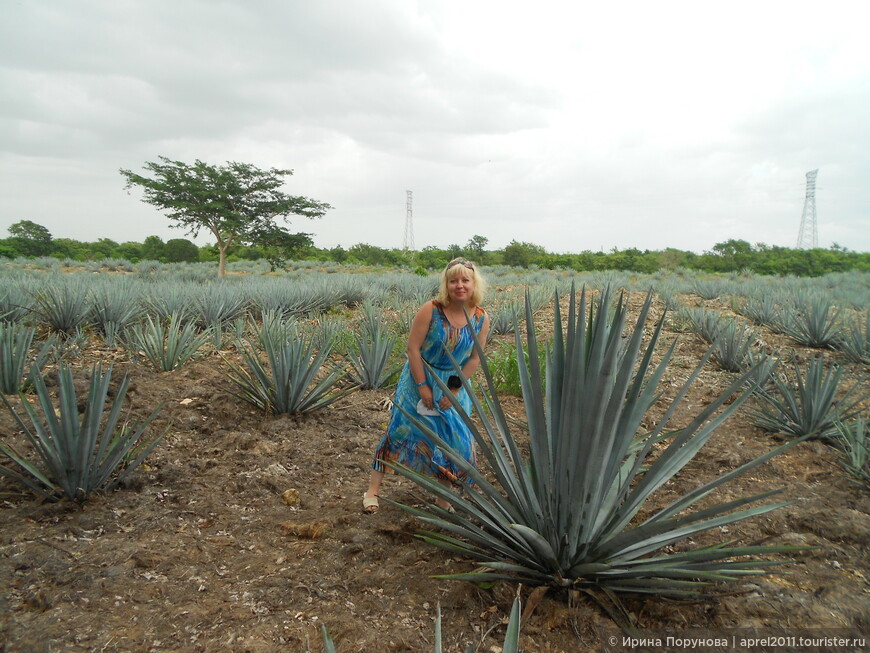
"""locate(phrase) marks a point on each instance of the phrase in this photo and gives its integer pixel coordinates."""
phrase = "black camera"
(454, 382)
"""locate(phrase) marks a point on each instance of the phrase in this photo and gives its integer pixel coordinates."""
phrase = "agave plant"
(15, 355)
(63, 305)
(327, 331)
(504, 319)
(761, 368)
(290, 298)
(705, 323)
(166, 347)
(15, 304)
(276, 325)
(811, 406)
(854, 340)
(215, 307)
(732, 346)
(855, 444)
(292, 382)
(707, 288)
(567, 515)
(813, 323)
(112, 309)
(763, 311)
(168, 300)
(78, 452)
(370, 362)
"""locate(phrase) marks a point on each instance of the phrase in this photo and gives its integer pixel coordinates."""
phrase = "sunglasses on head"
(460, 261)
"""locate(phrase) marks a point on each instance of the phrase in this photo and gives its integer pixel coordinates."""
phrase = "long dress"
(403, 442)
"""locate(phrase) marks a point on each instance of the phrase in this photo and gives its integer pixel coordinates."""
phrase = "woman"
(439, 327)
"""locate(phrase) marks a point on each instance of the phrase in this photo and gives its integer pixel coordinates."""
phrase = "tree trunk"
(222, 261)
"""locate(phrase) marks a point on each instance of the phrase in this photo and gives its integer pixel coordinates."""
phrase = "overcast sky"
(573, 126)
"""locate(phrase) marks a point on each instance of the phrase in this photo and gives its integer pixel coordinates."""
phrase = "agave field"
(182, 461)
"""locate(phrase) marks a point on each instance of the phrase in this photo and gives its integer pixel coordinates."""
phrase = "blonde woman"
(439, 327)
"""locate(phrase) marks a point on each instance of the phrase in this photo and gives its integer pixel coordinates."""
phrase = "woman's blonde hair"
(456, 267)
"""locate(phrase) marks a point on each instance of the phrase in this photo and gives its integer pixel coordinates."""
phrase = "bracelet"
(422, 383)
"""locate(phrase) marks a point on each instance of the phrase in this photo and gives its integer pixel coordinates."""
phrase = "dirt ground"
(244, 532)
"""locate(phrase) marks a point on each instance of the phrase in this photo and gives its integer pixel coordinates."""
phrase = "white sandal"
(370, 504)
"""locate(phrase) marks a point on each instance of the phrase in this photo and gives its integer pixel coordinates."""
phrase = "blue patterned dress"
(404, 443)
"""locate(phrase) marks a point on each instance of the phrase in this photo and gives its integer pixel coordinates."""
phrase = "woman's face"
(460, 285)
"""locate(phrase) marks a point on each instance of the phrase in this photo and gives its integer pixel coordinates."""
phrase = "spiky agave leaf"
(15, 355)
(855, 443)
(566, 514)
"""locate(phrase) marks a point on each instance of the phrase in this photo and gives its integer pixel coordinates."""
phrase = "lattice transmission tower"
(808, 236)
(408, 242)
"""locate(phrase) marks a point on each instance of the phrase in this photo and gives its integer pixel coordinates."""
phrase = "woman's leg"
(375, 481)
(370, 498)
(443, 503)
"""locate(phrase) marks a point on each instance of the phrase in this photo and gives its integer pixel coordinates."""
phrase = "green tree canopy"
(154, 249)
(30, 239)
(180, 250)
(475, 247)
(238, 203)
(522, 254)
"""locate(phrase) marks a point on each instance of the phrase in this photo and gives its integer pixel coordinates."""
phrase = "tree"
(372, 255)
(522, 255)
(130, 251)
(154, 249)
(238, 203)
(338, 254)
(475, 247)
(181, 250)
(735, 254)
(280, 246)
(102, 248)
(30, 239)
